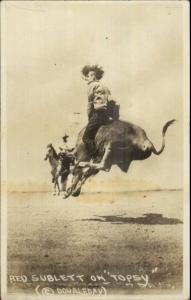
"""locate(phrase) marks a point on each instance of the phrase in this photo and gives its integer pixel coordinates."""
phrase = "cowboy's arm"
(90, 109)
(90, 106)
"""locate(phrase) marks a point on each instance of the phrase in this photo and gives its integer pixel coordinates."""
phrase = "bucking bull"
(126, 142)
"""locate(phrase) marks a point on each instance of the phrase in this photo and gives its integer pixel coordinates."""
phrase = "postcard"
(94, 150)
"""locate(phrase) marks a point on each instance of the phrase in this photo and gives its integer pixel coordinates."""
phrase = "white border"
(3, 161)
(186, 52)
(186, 143)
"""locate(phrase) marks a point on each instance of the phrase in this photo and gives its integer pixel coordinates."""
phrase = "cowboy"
(65, 141)
(101, 109)
(98, 98)
(66, 158)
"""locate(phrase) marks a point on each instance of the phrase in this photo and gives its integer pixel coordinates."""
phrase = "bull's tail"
(163, 138)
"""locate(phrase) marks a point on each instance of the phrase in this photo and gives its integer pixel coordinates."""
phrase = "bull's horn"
(163, 137)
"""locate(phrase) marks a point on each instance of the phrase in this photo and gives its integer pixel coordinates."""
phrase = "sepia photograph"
(94, 150)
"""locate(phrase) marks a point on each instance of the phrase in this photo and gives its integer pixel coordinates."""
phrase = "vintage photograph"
(94, 140)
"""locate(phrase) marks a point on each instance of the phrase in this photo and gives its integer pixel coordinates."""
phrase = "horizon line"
(105, 192)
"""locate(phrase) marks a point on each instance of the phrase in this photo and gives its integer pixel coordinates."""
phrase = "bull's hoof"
(76, 193)
(66, 195)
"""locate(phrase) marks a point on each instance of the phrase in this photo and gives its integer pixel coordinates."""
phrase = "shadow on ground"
(147, 219)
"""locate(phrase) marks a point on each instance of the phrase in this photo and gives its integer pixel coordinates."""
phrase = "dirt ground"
(123, 242)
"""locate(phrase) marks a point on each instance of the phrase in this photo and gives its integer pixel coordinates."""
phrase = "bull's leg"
(90, 172)
(75, 188)
(104, 164)
(67, 193)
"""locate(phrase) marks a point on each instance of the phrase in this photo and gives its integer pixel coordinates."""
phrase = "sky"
(140, 47)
